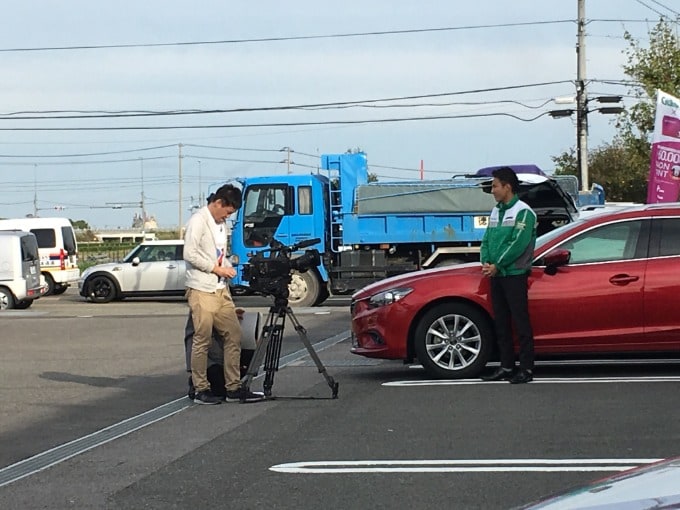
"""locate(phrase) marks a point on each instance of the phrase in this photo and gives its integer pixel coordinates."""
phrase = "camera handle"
(269, 350)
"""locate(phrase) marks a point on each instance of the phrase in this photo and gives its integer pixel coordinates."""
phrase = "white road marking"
(459, 466)
(59, 454)
(538, 380)
(588, 362)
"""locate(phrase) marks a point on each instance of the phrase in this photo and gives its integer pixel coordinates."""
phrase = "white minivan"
(57, 246)
(20, 280)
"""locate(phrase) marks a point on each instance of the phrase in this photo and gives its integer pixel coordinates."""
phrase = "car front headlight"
(388, 297)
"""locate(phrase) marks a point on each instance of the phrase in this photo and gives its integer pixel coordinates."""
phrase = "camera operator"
(208, 272)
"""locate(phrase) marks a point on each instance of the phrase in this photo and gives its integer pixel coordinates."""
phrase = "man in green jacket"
(506, 254)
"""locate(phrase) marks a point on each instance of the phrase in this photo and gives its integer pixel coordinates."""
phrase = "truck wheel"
(6, 299)
(303, 289)
(50, 284)
(101, 289)
(323, 295)
(22, 305)
(453, 341)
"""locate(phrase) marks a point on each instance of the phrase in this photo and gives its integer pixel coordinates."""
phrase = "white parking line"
(538, 380)
(54, 456)
(459, 466)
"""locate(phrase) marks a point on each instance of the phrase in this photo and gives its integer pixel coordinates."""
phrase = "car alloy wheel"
(453, 341)
(101, 289)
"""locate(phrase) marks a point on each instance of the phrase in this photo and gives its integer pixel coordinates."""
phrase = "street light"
(582, 112)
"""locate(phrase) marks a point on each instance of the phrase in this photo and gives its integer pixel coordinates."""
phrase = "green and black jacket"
(510, 238)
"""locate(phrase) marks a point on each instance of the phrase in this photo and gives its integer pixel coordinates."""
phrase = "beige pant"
(216, 310)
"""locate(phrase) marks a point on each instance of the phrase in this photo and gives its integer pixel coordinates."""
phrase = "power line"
(336, 104)
(283, 124)
(665, 7)
(230, 148)
(62, 163)
(650, 8)
(313, 37)
(84, 154)
(287, 38)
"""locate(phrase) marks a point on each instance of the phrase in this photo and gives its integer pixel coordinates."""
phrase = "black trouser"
(511, 307)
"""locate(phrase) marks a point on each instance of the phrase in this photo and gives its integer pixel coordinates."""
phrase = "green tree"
(621, 171)
(80, 224)
(622, 166)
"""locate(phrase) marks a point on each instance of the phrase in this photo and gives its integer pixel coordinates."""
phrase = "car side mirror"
(135, 261)
(556, 258)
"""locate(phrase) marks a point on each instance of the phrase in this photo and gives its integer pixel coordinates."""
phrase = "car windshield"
(153, 253)
(134, 252)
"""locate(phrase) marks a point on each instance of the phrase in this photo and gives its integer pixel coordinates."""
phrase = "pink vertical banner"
(664, 165)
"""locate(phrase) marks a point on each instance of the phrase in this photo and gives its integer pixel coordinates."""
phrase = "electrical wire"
(665, 7)
(288, 38)
(651, 8)
(285, 107)
(281, 124)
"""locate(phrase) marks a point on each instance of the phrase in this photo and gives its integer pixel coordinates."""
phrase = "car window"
(669, 236)
(69, 240)
(153, 253)
(46, 237)
(616, 241)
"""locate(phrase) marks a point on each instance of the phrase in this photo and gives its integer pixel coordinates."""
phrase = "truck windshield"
(264, 206)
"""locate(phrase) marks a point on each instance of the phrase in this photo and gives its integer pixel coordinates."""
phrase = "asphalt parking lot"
(393, 439)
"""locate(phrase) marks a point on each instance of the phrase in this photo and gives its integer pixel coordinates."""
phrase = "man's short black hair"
(507, 175)
(228, 194)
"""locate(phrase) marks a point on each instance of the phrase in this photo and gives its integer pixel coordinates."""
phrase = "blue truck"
(369, 231)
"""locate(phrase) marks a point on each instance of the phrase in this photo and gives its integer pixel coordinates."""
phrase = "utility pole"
(581, 99)
(200, 186)
(287, 160)
(141, 161)
(35, 190)
(179, 225)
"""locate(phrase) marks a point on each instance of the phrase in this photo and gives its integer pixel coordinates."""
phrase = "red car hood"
(419, 277)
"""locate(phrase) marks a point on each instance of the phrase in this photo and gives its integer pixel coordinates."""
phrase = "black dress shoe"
(499, 375)
(521, 377)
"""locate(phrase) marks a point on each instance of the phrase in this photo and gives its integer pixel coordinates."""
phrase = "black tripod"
(269, 349)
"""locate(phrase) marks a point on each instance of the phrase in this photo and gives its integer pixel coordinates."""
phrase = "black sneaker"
(206, 398)
(241, 395)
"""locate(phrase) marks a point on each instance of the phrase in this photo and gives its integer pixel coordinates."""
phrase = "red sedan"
(605, 284)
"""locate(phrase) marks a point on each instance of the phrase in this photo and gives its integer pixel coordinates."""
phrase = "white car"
(153, 268)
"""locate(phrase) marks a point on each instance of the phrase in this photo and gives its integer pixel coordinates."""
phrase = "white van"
(57, 246)
(19, 270)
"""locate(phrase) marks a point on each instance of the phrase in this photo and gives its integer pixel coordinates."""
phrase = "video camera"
(270, 274)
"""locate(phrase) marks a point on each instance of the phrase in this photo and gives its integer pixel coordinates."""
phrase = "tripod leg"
(271, 360)
(302, 333)
(260, 350)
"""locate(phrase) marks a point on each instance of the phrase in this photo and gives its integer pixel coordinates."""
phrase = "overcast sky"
(43, 169)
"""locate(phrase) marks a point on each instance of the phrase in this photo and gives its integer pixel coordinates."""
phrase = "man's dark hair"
(507, 175)
(228, 194)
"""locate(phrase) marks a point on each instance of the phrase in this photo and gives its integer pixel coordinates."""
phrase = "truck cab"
(290, 209)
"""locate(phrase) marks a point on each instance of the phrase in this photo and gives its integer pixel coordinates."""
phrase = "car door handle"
(623, 279)
(171, 266)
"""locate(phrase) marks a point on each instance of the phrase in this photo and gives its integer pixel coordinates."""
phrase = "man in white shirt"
(207, 282)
